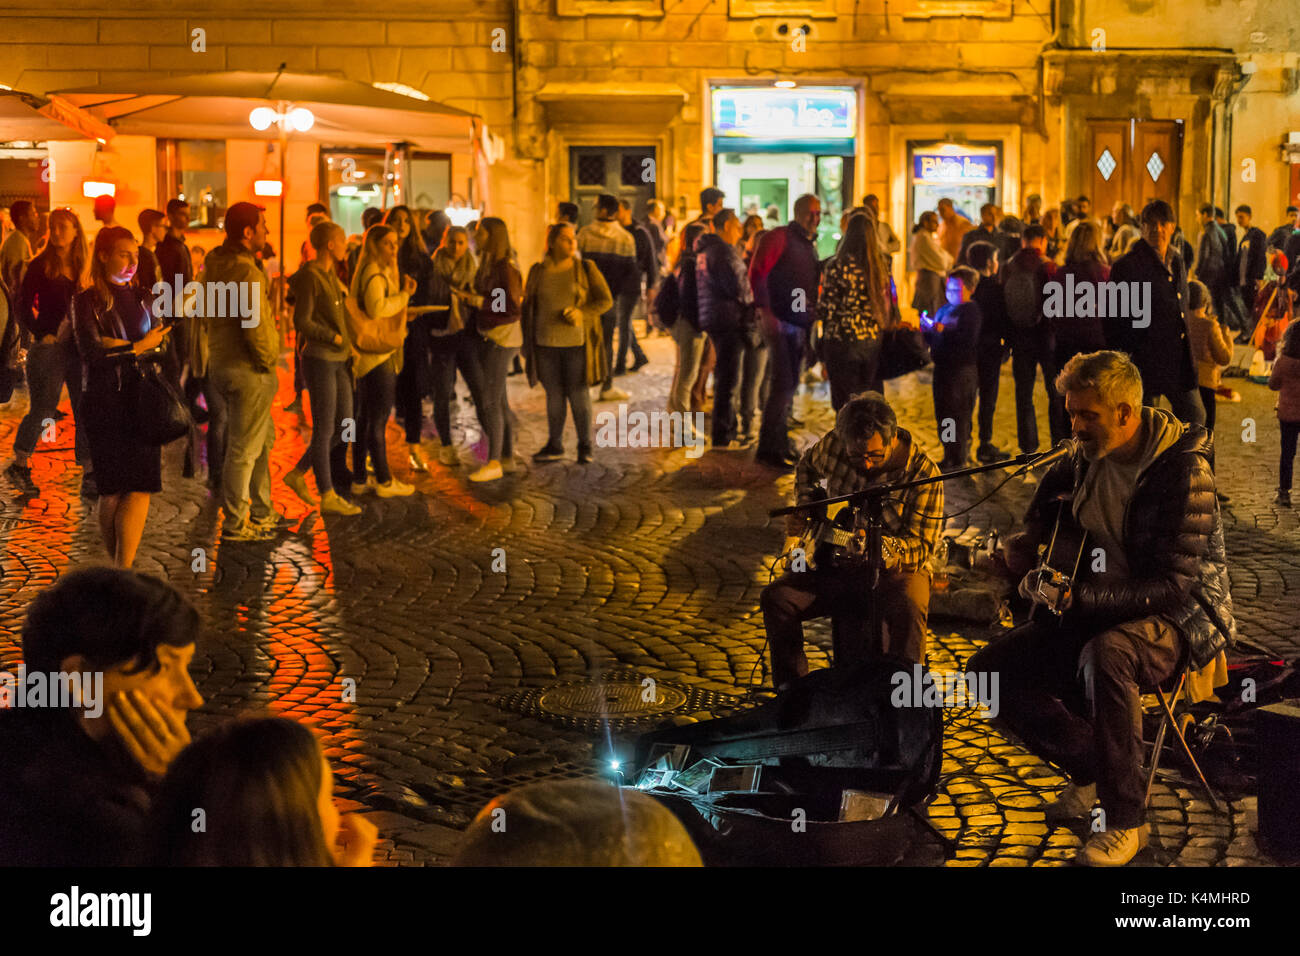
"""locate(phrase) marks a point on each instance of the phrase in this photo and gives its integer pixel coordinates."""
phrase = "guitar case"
(833, 730)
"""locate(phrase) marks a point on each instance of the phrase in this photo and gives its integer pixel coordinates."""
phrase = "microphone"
(1064, 449)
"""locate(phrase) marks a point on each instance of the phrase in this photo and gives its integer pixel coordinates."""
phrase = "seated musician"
(865, 448)
(1151, 593)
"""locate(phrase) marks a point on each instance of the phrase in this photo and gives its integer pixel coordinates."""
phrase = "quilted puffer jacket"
(1173, 543)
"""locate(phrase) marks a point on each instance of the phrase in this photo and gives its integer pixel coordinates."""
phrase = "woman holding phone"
(114, 329)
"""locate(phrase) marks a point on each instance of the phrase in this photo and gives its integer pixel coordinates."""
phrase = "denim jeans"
(690, 352)
(250, 433)
(329, 394)
(494, 411)
(785, 350)
(563, 374)
(955, 388)
(1031, 349)
(218, 416)
(413, 379)
(374, 403)
(852, 368)
(737, 378)
(625, 305)
(989, 363)
(1290, 433)
(447, 355)
(1186, 406)
(49, 367)
(608, 325)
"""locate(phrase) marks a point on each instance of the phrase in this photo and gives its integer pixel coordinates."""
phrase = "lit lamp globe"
(301, 119)
(261, 118)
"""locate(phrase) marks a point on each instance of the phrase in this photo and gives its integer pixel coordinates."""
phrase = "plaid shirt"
(913, 518)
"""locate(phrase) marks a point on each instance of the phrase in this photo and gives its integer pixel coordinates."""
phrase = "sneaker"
(21, 476)
(640, 363)
(363, 487)
(89, 488)
(416, 460)
(394, 488)
(246, 532)
(988, 454)
(584, 456)
(613, 395)
(1114, 847)
(489, 472)
(297, 482)
(333, 503)
(508, 465)
(1283, 498)
(272, 522)
(1073, 802)
(447, 456)
(549, 452)
(620, 370)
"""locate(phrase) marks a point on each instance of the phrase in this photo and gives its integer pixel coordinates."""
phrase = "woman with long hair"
(1085, 261)
(496, 304)
(931, 262)
(43, 310)
(115, 329)
(1052, 225)
(267, 795)
(452, 347)
(320, 320)
(380, 293)
(413, 380)
(563, 297)
(855, 310)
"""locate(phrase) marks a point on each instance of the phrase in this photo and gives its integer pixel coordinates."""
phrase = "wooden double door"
(1134, 161)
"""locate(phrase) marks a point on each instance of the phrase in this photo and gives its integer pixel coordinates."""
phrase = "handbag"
(157, 411)
(902, 351)
(374, 335)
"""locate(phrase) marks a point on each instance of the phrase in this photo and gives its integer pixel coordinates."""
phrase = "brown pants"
(844, 593)
(1072, 694)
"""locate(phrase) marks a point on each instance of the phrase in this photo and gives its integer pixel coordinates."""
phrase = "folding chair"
(1169, 721)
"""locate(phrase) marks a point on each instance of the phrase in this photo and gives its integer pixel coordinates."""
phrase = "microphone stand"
(872, 502)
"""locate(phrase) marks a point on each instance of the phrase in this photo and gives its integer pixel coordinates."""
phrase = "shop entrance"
(767, 184)
(970, 174)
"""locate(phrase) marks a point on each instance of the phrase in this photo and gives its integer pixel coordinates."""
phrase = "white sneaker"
(395, 488)
(334, 503)
(489, 472)
(614, 395)
(1073, 802)
(447, 456)
(363, 487)
(1113, 847)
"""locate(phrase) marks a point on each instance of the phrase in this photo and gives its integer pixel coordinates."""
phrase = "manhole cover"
(615, 699)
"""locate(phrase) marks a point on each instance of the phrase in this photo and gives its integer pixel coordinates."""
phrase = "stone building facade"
(905, 99)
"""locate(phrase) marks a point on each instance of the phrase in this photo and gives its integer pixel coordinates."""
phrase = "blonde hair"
(1111, 374)
(370, 256)
(1085, 243)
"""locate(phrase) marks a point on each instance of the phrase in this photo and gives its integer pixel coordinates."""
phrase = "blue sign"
(761, 113)
(961, 167)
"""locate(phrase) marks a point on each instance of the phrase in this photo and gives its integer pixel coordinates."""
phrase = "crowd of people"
(385, 321)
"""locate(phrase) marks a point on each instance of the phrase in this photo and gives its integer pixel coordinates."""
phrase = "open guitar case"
(833, 731)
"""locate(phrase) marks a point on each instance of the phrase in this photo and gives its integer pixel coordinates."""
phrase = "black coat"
(1161, 351)
(1254, 243)
(1173, 544)
(722, 286)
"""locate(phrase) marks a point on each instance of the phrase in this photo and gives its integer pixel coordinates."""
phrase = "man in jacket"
(1157, 340)
(991, 349)
(726, 313)
(647, 271)
(1030, 336)
(243, 351)
(984, 232)
(1142, 490)
(613, 250)
(1212, 261)
(1250, 258)
(785, 275)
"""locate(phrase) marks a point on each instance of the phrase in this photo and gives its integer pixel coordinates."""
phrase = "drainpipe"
(1248, 71)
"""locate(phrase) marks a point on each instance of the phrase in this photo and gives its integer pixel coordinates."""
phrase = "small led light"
(301, 119)
(92, 189)
(268, 187)
(785, 84)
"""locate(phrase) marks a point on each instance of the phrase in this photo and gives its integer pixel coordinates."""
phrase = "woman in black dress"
(115, 329)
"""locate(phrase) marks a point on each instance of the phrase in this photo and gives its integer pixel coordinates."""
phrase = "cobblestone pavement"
(644, 561)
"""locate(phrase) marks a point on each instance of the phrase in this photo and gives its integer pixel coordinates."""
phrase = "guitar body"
(1061, 563)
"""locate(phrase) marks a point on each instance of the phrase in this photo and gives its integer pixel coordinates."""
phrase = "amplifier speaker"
(1277, 732)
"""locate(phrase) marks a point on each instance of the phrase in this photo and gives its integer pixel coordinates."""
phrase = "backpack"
(1022, 294)
(667, 302)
